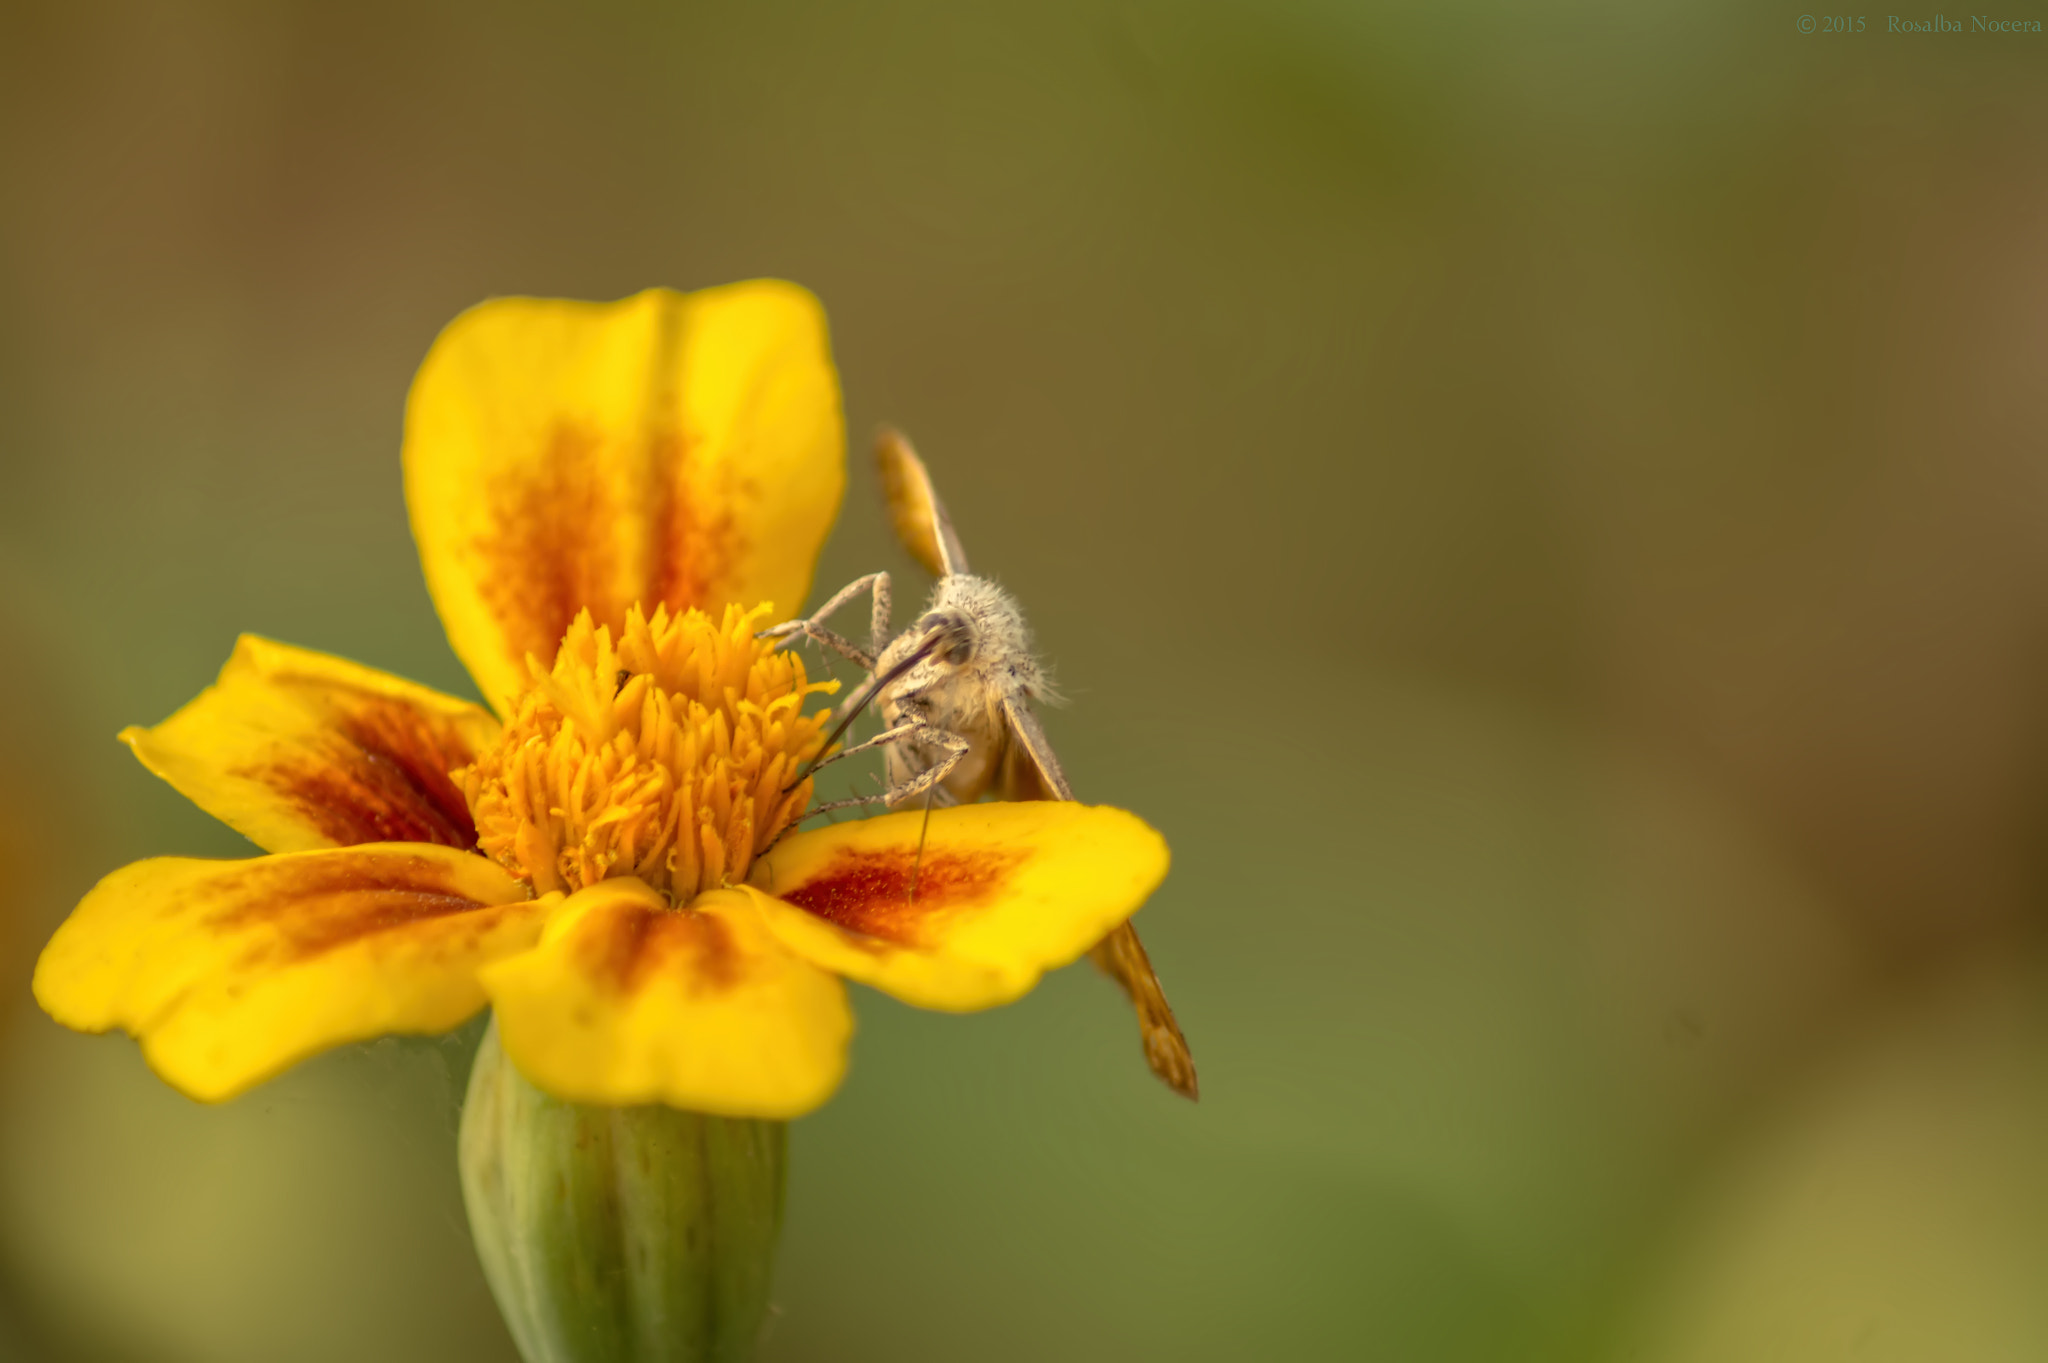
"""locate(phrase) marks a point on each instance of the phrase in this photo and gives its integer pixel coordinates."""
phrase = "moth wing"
(1031, 772)
(915, 511)
(1121, 956)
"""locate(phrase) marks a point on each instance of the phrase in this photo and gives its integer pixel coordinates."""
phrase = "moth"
(954, 691)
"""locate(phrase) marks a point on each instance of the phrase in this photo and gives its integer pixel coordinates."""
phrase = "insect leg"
(838, 643)
(923, 829)
(878, 618)
(955, 747)
(915, 726)
(813, 626)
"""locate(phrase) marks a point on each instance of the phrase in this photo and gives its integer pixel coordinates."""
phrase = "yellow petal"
(627, 1000)
(677, 448)
(298, 750)
(231, 971)
(1004, 892)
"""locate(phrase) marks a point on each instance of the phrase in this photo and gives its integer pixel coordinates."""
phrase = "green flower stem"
(619, 1234)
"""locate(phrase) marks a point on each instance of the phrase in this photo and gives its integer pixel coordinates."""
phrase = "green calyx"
(619, 1234)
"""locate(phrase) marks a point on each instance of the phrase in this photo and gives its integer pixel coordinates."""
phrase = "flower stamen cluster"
(670, 756)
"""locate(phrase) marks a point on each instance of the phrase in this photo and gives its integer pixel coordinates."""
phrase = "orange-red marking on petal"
(552, 546)
(695, 547)
(380, 775)
(1004, 893)
(317, 905)
(870, 891)
(301, 750)
(545, 554)
(647, 941)
(229, 971)
(626, 1000)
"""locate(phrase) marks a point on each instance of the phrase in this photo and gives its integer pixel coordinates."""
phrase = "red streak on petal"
(379, 775)
(639, 945)
(695, 547)
(549, 550)
(315, 906)
(869, 892)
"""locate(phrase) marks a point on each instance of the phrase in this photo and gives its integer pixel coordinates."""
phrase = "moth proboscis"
(955, 691)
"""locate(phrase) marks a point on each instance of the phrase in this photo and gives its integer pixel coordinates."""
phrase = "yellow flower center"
(671, 756)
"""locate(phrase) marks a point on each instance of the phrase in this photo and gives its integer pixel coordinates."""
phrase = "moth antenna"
(917, 862)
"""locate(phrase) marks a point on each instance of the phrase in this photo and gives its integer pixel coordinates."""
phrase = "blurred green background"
(1546, 507)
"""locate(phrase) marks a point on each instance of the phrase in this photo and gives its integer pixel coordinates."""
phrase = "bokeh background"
(1545, 505)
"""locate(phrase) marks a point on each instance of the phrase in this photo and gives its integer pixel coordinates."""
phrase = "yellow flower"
(605, 498)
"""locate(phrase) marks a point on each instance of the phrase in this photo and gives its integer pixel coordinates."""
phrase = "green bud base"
(619, 1234)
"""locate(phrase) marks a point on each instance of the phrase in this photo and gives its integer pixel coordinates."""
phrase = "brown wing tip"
(1169, 1058)
(1121, 956)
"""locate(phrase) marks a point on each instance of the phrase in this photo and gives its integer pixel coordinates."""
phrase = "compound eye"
(956, 642)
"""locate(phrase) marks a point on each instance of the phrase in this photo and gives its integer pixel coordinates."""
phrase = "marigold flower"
(606, 498)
